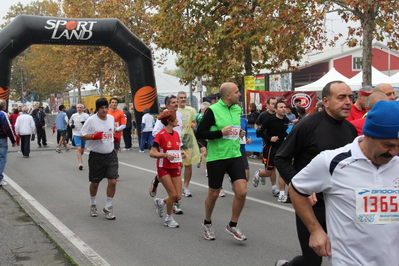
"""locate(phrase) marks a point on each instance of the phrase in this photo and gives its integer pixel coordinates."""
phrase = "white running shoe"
(109, 213)
(3, 183)
(275, 192)
(281, 262)
(263, 180)
(221, 193)
(159, 203)
(255, 179)
(282, 198)
(171, 223)
(186, 192)
(93, 211)
(208, 232)
(236, 232)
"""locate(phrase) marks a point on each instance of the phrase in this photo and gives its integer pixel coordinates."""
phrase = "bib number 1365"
(380, 204)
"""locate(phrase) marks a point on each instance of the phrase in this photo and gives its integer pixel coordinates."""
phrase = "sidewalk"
(22, 241)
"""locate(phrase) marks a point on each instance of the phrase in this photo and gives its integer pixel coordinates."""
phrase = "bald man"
(371, 100)
(221, 127)
(387, 89)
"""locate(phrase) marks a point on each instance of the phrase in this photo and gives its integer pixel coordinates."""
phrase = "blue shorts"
(79, 142)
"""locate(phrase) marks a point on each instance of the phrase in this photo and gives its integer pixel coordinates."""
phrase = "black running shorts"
(103, 166)
(216, 170)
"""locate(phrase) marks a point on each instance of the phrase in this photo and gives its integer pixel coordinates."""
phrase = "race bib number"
(234, 133)
(108, 136)
(176, 156)
(377, 205)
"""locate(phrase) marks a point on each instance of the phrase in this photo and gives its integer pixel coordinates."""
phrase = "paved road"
(54, 193)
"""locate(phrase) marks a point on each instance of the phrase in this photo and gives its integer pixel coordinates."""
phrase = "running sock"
(109, 203)
(93, 200)
(207, 222)
(168, 217)
(281, 193)
(274, 186)
(231, 224)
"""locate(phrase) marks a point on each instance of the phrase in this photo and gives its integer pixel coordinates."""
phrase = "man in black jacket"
(69, 113)
(315, 133)
(41, 128)
(127, 131)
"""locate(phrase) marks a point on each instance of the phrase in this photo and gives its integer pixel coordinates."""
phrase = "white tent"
(394, 80)
(168, 84)
(376, 77)
(320, 83)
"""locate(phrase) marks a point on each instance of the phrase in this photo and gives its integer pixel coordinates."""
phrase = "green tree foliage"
(224, 39)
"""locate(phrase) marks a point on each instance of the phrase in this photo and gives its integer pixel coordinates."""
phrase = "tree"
(225, 39)
(38, 70)
(377, 18)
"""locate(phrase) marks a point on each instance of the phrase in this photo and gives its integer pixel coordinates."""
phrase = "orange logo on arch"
(4, 93)
(144, 98)
(71, 25)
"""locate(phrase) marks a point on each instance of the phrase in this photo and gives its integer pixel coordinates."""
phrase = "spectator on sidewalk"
(25, 127)
(7, 132)
(147, 125)
(13, 119)
(69, 136)
(41, 128)
(127, 131)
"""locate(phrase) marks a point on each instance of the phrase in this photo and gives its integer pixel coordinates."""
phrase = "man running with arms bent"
(221, 126)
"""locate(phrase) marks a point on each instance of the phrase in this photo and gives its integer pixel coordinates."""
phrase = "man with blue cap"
(360, 183)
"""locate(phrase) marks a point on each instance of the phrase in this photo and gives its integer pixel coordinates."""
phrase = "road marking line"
(279, 206)
(87, 251)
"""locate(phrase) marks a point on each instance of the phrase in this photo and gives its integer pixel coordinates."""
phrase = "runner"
(98, 130)
(171, 104)
(274, 130)
(167, 149)
(360, 186)
(221, 126)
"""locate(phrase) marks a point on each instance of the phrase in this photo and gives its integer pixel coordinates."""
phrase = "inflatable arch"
(26, 30)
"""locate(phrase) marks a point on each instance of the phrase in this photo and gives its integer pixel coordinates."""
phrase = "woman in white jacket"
(25, 127)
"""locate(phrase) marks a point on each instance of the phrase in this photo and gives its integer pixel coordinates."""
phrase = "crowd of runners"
(338, 166)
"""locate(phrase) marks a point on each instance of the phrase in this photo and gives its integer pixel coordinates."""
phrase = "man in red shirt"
(359, 108)
(120, 120)
(371, 100)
